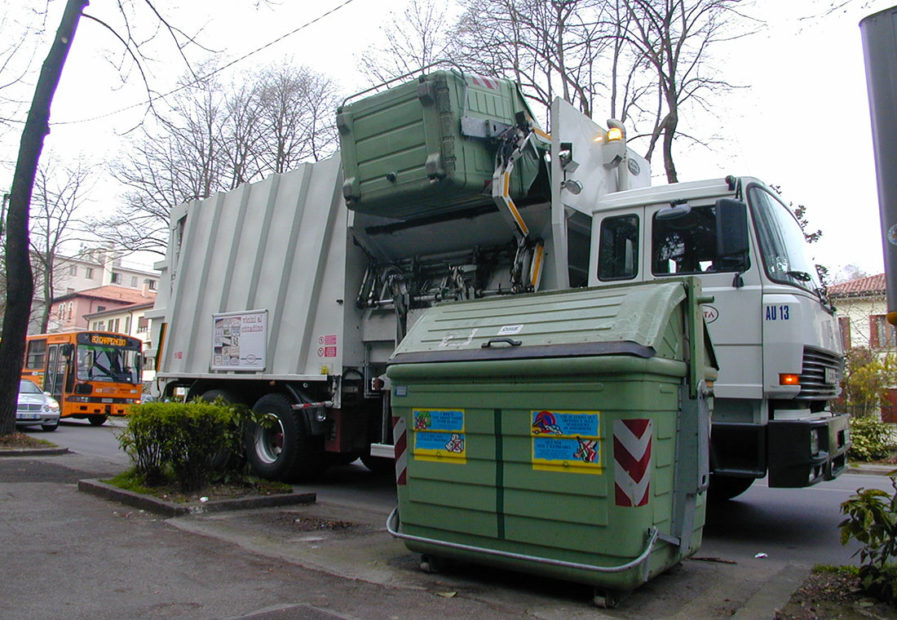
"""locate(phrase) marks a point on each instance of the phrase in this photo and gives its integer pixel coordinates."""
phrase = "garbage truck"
(291, 294)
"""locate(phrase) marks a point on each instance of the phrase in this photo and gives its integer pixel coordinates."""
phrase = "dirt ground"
(830, 595)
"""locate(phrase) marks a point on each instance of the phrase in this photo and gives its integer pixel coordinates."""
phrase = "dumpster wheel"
(607, 599)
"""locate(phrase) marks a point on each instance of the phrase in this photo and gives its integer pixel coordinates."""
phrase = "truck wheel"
(210, 396)
(226, 458)
(96, 420)
(281, 449)
(724, 488)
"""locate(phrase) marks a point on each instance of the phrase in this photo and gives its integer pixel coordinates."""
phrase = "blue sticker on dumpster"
(566, 441)
(439, 435)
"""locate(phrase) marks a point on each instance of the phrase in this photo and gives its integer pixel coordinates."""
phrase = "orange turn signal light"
(789, 379)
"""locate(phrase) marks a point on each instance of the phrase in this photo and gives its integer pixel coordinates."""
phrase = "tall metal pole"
(879, 33)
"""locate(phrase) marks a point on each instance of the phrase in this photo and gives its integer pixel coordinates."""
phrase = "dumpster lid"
(630, 320)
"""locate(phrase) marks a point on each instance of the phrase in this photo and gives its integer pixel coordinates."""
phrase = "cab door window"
(686, 243)
(618, 248)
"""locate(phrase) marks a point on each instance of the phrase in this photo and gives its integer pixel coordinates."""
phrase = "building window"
(73, 270)
(101, 326)
(100, 308)
(116, 278)
(882, 335)
(133, 281)
(142, 324)
(113, 325)
(128, 324)
(70, 311)
(88, 273)
(152, 284)
(844, 324)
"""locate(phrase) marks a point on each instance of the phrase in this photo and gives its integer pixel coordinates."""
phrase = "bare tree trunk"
(20, 285)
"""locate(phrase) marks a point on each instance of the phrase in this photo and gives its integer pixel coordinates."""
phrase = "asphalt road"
(797, 525)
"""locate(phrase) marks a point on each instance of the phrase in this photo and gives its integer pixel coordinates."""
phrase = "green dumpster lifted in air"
(562, 434)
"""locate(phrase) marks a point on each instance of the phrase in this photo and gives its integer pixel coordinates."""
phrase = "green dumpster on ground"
(562, 434)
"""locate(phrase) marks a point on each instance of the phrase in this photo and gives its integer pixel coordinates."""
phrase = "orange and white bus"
(91, 374)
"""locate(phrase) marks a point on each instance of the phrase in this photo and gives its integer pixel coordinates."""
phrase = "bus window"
(36, 355)
(618, 248)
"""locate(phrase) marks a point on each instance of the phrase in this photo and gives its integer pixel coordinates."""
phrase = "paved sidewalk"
(71, 554)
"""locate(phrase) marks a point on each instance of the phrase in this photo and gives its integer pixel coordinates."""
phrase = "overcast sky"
(800, 121)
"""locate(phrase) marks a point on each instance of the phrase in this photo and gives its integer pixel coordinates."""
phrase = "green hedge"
(871, 438)
(193, 442)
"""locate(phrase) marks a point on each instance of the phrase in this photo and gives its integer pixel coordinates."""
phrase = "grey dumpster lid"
(627, 320)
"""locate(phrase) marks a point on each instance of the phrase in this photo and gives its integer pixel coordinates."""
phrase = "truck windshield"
(782, 242)
(113, 364)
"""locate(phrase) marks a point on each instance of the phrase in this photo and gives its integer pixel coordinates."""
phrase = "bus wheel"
(724, 488)
(96, 420)
(280, 447)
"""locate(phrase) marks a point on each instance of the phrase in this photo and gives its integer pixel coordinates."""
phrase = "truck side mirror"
(732, 230)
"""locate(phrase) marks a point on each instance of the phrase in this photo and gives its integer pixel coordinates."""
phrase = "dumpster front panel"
(574, 463)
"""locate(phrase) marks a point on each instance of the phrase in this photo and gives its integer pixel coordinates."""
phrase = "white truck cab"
(775, 335)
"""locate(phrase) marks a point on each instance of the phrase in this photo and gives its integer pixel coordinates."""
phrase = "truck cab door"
(683, 239)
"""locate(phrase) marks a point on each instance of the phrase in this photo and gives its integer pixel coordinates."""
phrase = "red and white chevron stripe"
(632, 461)
(479, 80)
(400, 441)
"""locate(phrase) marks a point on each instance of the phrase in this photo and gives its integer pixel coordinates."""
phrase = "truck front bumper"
(802, 452)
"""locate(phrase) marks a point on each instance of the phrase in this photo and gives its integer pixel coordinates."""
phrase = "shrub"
(185, 439)
(871, 439)
(866, 377)
(872, 521)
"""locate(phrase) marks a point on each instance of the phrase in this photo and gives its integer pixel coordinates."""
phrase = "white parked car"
(35, 407)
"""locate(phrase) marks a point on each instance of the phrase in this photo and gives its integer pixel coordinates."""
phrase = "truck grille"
(813, 385)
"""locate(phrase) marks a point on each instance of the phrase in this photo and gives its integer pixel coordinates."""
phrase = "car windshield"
(26, 387)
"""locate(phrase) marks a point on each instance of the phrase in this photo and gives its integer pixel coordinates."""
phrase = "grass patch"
(20, 441)
(170, 490)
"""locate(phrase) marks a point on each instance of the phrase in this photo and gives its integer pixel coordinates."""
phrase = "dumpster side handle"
(392, 526)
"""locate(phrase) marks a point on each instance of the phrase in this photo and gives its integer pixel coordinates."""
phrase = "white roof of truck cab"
(691, 190)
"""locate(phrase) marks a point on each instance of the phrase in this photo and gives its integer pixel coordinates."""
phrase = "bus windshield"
(782, 242)
(107, 363)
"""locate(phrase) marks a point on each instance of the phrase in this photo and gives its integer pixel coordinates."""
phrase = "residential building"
(71, 311)
(90, 269)
(862, 309)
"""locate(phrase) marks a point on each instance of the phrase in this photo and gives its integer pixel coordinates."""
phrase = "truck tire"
(225, 459)
(283, 449)
(210, 396)
(723, 488)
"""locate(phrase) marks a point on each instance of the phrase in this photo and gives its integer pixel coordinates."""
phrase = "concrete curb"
(171, 509)
(33, 452)
(868, 469)
(773, 595)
